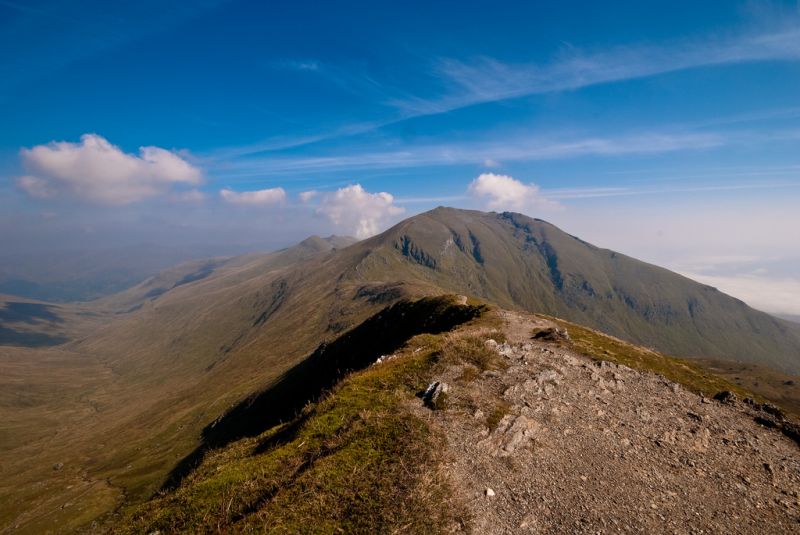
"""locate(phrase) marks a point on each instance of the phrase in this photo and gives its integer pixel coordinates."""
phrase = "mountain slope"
(516, 261)
(528, 436)
(182, 348)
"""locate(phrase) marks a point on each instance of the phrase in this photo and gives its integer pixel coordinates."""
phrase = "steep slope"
(187, 272)
(164, 370)
(517, 261)
(524, 436)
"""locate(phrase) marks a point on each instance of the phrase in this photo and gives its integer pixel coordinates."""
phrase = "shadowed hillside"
(305, 382)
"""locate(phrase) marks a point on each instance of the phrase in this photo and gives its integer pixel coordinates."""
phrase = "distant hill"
(790, 317)
(81, 275)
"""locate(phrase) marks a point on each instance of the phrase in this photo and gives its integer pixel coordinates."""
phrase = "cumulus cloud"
(97, 171)
(502, 192)
(358, 212)
(262, 197)
(306, 196)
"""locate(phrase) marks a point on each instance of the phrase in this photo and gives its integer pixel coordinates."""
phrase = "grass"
(689, 374)
(500, 409)
(359, 461)
(472, 350)
(779, 388)
(468, 374)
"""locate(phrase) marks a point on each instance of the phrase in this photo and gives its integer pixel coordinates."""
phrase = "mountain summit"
(520, 262)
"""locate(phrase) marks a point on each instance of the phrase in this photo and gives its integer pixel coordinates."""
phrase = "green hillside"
(516, 261)
(360, 458)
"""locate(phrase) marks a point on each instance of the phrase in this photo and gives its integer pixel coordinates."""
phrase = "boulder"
(435, 395)
(726, 396)
(550, 334)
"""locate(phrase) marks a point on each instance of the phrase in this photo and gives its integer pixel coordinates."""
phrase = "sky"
(669, 131)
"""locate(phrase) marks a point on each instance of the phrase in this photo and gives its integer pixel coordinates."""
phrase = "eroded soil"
(554, 442)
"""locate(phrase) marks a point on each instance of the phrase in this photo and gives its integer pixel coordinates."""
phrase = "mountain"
(134, 391)
(516, 261)
(794, 318)
(116, 407)
(451, 431)
(195, 270)
(81, 275)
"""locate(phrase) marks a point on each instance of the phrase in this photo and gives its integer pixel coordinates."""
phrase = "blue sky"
(667, 130)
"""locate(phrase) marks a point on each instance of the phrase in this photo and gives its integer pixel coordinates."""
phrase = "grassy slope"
(780, 388)
(163, 373)
(356, 462)
(360, 460)
(519, 262)
(689, 373)
(32, 323)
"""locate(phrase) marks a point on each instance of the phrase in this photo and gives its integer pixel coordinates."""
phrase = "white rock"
(489, 492)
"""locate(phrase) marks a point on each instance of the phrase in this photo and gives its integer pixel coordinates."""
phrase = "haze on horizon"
(664, 130)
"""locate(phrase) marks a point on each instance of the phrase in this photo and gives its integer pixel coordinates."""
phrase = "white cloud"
(491, 163)
(97, 171)
(297, 65)
(487, 151)
(770, 294)
(262, 197)
(502, 192)
(36, 187)
(306, 196)
(356, 211)
(485, 79)
(190, 196)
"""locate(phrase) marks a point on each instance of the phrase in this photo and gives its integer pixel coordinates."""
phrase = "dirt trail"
(585, 447)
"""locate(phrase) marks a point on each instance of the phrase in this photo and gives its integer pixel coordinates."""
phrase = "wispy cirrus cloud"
(486, 79)
(476, 152)
(468, 82)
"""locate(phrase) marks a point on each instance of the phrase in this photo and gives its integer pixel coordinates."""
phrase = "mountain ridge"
(517, 261)
(174, 353)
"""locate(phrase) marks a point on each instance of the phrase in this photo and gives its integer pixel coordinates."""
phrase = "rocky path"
(557, 443)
